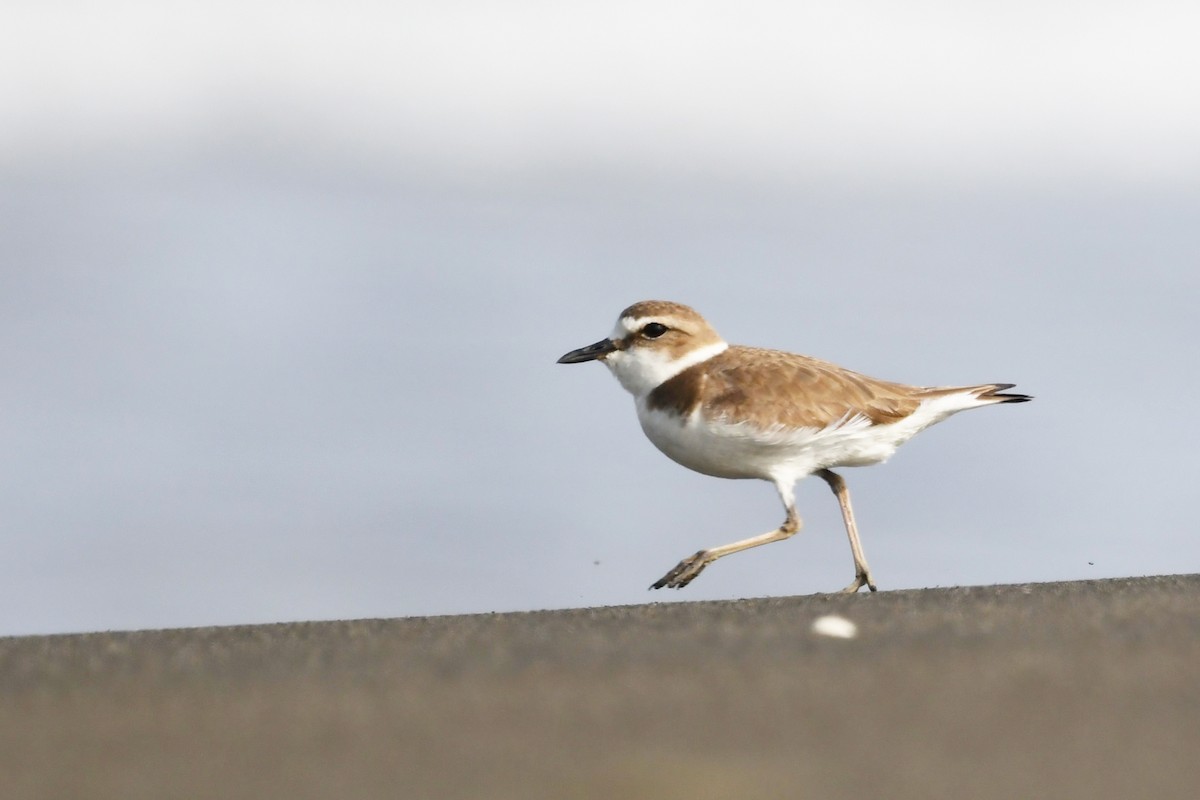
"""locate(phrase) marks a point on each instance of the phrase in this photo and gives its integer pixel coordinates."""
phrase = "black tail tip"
(998, 394)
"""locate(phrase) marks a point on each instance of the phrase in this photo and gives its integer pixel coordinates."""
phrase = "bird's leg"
(862, 572)
(687, 570)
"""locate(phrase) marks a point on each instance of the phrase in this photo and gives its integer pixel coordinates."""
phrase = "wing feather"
(771, 387)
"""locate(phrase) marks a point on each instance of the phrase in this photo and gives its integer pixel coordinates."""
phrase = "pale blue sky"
(282, 287)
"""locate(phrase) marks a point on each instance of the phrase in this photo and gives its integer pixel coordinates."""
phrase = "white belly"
(738, 450)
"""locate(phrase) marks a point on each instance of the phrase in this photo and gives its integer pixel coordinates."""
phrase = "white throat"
(641, 370)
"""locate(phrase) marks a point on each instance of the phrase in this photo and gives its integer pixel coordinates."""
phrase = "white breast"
(731, 449)
(727, 450)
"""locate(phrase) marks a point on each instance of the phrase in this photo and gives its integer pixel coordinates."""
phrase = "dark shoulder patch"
(679, 395)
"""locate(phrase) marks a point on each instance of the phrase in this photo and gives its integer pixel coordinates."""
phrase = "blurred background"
(282, 286)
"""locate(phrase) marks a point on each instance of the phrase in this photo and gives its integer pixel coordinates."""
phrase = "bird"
(732, 411)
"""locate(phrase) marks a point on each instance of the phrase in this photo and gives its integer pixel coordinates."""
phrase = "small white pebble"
(835, 626)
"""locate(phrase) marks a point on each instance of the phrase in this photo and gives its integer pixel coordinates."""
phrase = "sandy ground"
(1088, 690)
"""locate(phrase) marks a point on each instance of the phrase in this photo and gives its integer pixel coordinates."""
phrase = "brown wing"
(769, 387)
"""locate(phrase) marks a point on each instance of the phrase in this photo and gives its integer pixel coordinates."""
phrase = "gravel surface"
(1086, 689)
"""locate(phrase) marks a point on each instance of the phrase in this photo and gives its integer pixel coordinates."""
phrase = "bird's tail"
(986, 394)
(995, 393)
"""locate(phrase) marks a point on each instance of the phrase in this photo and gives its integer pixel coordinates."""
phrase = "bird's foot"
(684, 572)
(861, 579)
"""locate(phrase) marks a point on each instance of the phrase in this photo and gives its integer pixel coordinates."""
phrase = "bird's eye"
(654, 330)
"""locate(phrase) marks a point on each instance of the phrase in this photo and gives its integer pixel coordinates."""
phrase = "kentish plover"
(745, 412)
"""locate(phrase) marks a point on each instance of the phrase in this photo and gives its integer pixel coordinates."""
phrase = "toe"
(683, 573)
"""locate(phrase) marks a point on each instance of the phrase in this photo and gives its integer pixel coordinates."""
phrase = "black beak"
(589, 353)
